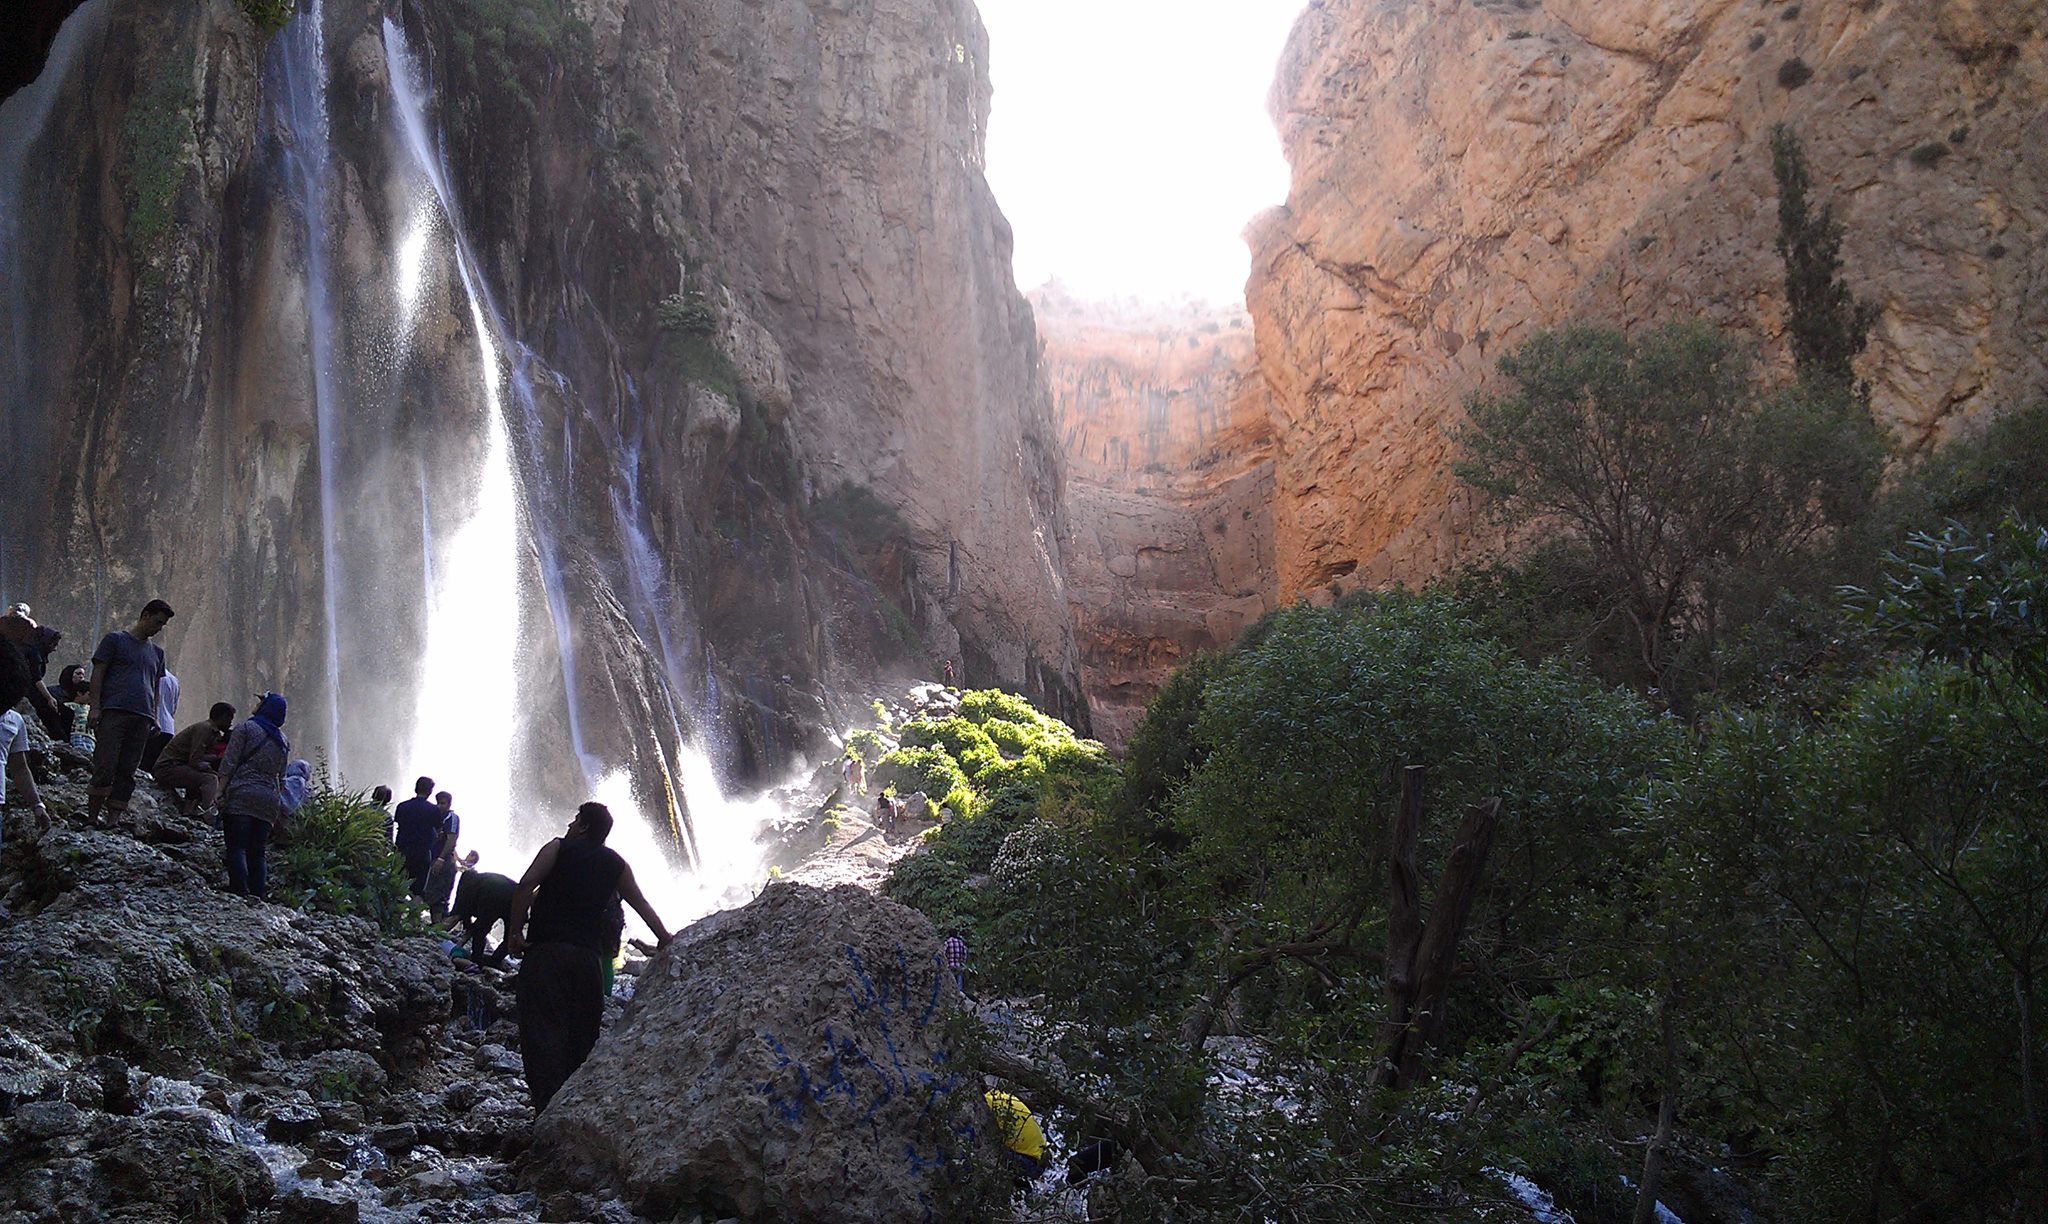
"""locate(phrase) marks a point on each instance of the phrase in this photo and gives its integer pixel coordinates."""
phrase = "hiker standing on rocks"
(14, 682)
(956, 961)
(187, 767)
(570, 891)
(166, 721)
(415, 832)
(126, 669)
(253, 794)
(441, 873)
(949, 673)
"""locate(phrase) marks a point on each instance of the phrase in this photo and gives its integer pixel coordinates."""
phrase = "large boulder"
(786, 1061)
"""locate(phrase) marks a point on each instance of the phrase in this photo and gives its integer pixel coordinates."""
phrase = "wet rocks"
(786, 1060)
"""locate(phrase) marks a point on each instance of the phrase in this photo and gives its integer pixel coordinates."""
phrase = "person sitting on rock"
(298, 783)
(483, 899)
(187, 767)
(70, 693)
(568, 891)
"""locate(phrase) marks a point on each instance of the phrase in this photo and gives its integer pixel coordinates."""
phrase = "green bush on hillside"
(337, 858)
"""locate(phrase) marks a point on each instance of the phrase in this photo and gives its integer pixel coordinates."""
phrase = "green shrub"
(269, 16)
(687, 314)
(154, 134)
(928, 769)
(867, 745)
(337, 858)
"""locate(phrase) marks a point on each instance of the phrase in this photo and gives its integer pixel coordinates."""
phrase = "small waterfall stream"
(299, 58)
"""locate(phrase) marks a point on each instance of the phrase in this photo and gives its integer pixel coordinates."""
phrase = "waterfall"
(472, 626)
(300, 57)
(467, 719)
(23, 118)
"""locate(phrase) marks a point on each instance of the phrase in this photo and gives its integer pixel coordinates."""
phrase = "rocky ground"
(172, 1052)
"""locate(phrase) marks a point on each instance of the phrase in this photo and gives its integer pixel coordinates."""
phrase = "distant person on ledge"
(570, 892)
(126, 669)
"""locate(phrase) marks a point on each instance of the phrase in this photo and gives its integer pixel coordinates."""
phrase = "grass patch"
(153, 138)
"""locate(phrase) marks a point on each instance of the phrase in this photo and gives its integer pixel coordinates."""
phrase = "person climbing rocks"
(858, 775)
(1019, 1132)
(166, 721)
(187, 767)
(126, 669)
(252, 794)
(949, 673)
(483, 899)
(416, 830)
(885, 813)
(561, 923)
(956, 961)
(846, 772)
(37, 644)
(441, 872)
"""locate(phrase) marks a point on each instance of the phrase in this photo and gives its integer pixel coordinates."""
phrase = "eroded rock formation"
(1169, 450)
(708, 312)
(1464, 173)
(785, 1060)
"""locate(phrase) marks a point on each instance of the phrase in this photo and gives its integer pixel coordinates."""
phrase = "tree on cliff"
(1672, 467)
(1828, 326)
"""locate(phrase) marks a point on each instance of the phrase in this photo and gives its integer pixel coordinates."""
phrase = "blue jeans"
(247, 839)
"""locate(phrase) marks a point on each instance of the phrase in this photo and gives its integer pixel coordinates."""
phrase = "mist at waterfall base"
(493, 579)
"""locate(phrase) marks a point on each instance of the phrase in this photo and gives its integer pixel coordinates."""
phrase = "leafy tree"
(1827, 325)
(1674, 468)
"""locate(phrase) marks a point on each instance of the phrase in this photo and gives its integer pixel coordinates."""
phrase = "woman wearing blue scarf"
(252, 772)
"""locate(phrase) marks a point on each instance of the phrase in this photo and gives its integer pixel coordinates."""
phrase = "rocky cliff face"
(1168, 440)
(1467, 172)
(658, 372)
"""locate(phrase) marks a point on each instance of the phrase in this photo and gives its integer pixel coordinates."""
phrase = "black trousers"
(561, 1007)
(117, 753)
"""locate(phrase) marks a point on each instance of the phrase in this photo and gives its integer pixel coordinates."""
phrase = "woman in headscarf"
(252, 796)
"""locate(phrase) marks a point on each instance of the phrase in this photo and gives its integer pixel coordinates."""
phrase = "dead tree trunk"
(1667, 1116)
(1421, 955)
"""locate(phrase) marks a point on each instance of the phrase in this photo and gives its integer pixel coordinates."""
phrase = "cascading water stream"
(463, 599)
(300, 62)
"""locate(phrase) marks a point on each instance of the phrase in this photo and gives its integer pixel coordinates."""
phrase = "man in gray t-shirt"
(126, 669)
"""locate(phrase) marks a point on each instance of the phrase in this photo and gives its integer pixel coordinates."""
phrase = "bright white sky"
(1129, 143)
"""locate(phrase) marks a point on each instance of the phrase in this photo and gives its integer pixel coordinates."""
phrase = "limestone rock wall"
(1166, 430)
(1467, 171)
(730, 258)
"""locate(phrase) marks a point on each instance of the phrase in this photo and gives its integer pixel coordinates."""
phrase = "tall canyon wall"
(657, 366)
(1468, 171)
(1167, 436)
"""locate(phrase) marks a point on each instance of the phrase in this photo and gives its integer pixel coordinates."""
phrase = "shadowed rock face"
(801, 184)
(784, 1060)
(1169, 493)
(1467, 173)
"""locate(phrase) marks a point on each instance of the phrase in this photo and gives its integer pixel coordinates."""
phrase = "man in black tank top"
(563, 923)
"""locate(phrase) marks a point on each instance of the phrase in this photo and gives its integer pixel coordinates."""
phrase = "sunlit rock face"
(1169, 489)
(1464, 173)
(575, 312)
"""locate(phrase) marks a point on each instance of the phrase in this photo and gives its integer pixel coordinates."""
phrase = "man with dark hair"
(187, 767)
(415, 833)
(571, 890)
(380, 795)
(126, 669)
